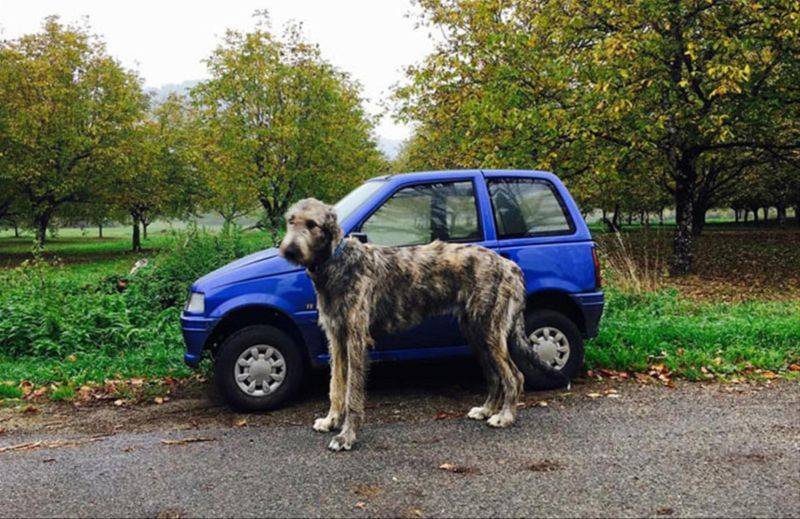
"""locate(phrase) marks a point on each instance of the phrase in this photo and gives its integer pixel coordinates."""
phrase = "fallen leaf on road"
(665, 511)
(444, 415)
(544, 466)
(458, 469)
(118, 402)
(48, 460)
(593, 395)
(612, 395)
(192, 439)
(240, 422)
(361, 505)
(158, 400)
(794, 367)
(31, 409)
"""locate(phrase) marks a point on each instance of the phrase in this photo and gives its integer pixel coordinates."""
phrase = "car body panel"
(265, 280)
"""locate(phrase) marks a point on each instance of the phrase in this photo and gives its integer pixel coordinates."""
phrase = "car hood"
(257, 265)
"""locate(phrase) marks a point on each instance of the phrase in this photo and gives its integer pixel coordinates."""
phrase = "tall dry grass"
(634, 263)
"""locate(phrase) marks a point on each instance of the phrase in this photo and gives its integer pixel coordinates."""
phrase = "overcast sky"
(166, 40)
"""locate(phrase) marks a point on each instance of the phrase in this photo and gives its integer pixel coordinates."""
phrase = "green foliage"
(283, 123)
(661, 327)
(65, 103)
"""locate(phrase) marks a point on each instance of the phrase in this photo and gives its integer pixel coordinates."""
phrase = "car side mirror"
(360, 236)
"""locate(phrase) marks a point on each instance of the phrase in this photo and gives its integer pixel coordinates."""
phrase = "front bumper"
(591, 304)
(196, 330)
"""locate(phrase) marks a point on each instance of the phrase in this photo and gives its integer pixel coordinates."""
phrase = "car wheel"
(559, 343)
(258, 368)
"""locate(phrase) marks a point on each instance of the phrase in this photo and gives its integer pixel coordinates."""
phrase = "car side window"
(528, 207)
(419, 214)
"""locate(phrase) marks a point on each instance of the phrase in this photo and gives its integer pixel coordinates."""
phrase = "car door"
(416, 214)
(534, 228)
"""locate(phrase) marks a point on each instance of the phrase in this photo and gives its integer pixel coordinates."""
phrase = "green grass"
(726, 339)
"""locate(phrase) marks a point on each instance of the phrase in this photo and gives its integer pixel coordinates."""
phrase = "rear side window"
(419, 214)
(528, 207)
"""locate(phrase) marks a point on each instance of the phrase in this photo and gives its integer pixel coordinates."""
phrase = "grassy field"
(66, 324)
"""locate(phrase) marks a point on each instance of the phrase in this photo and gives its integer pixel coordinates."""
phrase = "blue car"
(257, 316)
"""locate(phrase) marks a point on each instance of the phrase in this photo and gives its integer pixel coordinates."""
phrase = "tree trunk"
(136, 238)
(684, 217)
(746, 215)
(144, 229)
(661, 217)
(755, 215)
(736, 215)
(630, 219)
(698, 218)
(797, 214)
(16, 230)
(99, 230)
(766, 214)
(781, 208)
(41, 221)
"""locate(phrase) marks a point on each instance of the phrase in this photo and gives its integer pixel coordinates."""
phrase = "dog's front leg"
(338, 388)
(354, 395)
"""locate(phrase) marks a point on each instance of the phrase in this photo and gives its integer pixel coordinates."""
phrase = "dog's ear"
(331, 223)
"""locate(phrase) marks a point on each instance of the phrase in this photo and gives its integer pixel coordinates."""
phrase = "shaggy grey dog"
(365, 290)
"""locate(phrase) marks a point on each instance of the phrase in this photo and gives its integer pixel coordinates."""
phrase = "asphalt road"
(652, 451)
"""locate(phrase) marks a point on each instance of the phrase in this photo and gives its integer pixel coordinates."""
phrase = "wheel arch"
(558, 301)
(255, 314)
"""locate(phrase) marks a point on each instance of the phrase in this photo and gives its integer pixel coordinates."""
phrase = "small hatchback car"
(257, 316)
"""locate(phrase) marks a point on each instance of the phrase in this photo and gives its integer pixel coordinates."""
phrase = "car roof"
(441, 174)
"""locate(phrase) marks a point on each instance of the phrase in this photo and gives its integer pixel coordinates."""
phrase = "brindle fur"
(364, 291)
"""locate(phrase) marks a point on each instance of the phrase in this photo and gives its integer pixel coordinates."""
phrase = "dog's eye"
(311, 224)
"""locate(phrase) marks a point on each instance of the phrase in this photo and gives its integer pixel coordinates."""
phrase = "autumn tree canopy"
(684, 95)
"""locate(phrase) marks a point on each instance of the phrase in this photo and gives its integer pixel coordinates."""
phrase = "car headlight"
(196, 303)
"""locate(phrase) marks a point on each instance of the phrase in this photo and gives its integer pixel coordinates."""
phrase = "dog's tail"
(525, 357)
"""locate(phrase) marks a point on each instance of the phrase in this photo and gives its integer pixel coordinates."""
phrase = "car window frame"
(533, 180)
(479, 220)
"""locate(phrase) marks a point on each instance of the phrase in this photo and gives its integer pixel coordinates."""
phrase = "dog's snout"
(290, 251)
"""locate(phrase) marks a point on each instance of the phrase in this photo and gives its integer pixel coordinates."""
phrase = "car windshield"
(354, 199)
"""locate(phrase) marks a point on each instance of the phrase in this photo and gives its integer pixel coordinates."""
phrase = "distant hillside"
(161, 93)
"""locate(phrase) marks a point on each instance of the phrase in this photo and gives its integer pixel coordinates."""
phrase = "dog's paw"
(478, 413)
(501, 419)
(324, 425)
(340, 442)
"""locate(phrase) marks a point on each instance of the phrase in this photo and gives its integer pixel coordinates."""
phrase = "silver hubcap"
(259, 370)
(551, 345)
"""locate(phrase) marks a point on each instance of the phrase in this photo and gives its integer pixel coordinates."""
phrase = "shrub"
(44, 313)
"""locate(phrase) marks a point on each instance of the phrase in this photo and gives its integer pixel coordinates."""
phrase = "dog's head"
(312, 233)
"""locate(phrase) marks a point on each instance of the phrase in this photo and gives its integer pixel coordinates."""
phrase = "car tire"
(548, 324)
(271, 363)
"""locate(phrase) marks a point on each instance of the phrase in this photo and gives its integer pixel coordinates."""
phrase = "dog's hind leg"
(509, 380)
(337, 387)
(495, 396)
(357, 341)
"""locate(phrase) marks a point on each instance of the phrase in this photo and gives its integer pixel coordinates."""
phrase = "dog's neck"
(337, 247)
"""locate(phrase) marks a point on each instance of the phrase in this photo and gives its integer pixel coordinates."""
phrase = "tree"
(585, 86)
(65, 102)
(154, 169)
(284, 122)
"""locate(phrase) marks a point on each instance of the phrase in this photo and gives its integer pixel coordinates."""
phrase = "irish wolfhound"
(365, 290)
